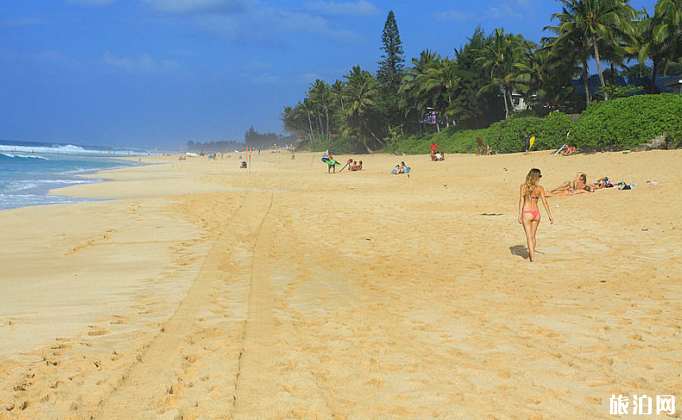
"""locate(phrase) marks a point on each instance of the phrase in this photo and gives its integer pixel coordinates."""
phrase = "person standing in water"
(529, 212)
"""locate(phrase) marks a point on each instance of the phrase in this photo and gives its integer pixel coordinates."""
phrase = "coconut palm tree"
(414, 80)
(502, 56)
(587, 23)
(362, 92)
(321, 96)
(660, 36)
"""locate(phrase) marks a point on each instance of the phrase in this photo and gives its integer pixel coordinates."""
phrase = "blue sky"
(162, 72)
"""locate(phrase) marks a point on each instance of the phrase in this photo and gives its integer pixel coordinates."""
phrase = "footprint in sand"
(97, 331)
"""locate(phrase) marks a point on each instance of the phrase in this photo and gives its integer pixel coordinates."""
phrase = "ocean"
(29, 170)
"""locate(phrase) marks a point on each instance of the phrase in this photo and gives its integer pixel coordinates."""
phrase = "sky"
(159, 73)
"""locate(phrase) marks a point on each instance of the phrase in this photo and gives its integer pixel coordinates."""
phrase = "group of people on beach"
(401, 169)
(579, 185)
(531, 192)
(483, 151)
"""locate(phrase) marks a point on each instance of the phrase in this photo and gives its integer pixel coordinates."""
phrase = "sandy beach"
(199, 290)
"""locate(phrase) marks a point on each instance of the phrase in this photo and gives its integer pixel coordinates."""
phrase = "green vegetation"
(618, 124)
(454, 100)
(626, 122)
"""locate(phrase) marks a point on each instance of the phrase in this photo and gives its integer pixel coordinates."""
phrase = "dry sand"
(208, 291)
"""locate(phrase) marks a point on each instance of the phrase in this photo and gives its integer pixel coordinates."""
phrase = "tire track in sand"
(271, 382)
(189, 369)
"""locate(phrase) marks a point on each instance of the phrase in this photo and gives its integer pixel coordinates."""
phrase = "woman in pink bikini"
(529, 212)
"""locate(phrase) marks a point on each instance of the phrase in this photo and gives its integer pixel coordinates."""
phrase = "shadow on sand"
(520, 250)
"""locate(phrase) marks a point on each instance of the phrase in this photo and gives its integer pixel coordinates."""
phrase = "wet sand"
(205, 291)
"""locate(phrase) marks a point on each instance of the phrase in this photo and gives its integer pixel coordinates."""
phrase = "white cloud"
(505, 9)
(504, 12)
(266, 79)
(268, 25)
(144, 64)
(198, 6)
(452, 15)
(359, 8)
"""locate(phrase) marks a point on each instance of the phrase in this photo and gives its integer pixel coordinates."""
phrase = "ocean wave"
(10, 201)
(13, 156)
(10, 150)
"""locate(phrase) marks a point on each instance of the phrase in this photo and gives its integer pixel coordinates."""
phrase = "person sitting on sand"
(569, 151)
(401, 169)
(529, 212)
(577, 186)
(488, 150)
(355, 166)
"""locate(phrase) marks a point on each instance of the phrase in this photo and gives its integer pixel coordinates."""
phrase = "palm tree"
(362, 91)
(588, 22)
(307, 107)
(415, 79)
(445, 79)
(549, 75)
(502, 56)
(660, 36)
(321, 95)
(338, 89)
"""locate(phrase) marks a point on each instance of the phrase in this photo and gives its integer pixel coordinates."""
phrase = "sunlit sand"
(277, 292)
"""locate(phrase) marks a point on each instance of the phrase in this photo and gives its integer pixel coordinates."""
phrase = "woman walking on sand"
(529, 212)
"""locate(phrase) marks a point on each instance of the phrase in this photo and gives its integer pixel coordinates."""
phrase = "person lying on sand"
(571, 191)
(578, 184)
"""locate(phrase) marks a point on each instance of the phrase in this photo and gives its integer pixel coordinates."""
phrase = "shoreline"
(199, 289)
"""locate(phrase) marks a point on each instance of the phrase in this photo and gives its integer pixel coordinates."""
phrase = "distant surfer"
(526, 142)
(331, 163)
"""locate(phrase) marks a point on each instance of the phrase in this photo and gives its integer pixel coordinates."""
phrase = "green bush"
(616, 124)
(338, 145)
(624, 123)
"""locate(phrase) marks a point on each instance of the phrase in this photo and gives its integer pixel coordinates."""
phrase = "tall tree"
(391, 66)
(362, 91)
(470, 107)
(586, 23)
(321, 96)
(660, 36)
(503, 55)
(413, 84)
(390, 72)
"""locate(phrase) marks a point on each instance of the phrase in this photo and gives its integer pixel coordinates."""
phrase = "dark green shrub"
(339, 145)
(624, 123)
(618, 124)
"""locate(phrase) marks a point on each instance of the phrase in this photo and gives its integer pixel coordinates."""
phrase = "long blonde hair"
(532, 180)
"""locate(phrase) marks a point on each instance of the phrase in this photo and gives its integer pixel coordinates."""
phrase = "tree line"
(252, 139)
(475, 87)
